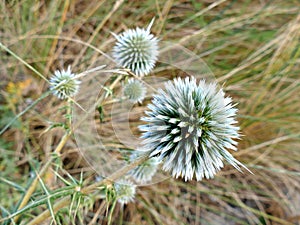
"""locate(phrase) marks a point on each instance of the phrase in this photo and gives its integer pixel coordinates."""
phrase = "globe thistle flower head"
(190, 126)
(146, 170)
(125, 191)
(134, 90)
(64, 84)
(137, 50)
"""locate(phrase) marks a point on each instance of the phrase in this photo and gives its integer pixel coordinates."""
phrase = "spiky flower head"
(146, 170)
(64, 84)
(125, 191)
(134, 90)
(190, 127)
(137, 50)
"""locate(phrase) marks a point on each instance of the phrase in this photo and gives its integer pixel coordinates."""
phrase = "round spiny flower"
(146, 170)
(190, 127)
(137, 50)
(125, 191)
(64, 84)
(135, 90)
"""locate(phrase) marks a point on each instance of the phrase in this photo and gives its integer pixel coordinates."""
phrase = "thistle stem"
(66, 200)
(58, 149)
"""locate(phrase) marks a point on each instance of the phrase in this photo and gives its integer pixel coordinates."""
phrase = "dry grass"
(253, 49)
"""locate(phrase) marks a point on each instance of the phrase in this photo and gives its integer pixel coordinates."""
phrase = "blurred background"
(252, 48)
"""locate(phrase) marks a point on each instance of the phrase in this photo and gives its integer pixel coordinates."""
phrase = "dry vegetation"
(253, 49)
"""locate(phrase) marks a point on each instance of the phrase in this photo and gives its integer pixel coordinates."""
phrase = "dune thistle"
(125, 191)
(146, 170)
(64, 84)
(137, 50)
(134, 90)
(190, 127)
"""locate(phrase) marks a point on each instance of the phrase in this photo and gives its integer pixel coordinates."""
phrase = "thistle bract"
(134, 90)
(137, 50)
(146, 170)
(63, 84)
(190, 126)
(125, 191)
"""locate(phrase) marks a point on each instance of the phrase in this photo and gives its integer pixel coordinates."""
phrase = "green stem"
(111, 212)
